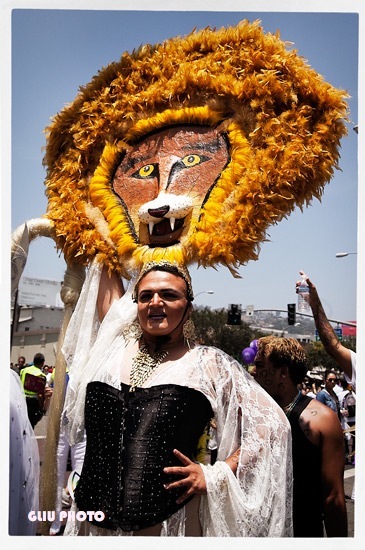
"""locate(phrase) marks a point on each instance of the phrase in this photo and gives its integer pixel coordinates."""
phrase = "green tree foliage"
(317, 355)
(212, 330)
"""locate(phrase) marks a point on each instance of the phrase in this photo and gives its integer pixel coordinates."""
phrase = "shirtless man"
(318, 446)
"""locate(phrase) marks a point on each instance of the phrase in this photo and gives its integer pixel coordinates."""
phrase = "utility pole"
(15, 320)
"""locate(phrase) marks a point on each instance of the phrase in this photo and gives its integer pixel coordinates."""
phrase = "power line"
(347, 323)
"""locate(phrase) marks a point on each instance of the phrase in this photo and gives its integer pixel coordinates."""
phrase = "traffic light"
(234, 314)
(291, 314)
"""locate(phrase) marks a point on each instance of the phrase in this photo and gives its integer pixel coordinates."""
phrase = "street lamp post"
(204, 292)
(343, 254)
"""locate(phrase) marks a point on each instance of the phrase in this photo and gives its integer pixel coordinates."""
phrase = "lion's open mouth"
(163, 234)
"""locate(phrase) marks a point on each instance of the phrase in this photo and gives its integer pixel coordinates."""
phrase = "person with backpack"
(348, 406)
(36, 393)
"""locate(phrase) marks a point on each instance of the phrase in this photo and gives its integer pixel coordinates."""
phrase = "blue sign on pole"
(338, 332)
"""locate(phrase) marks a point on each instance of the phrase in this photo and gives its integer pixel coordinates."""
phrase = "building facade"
(36, 330)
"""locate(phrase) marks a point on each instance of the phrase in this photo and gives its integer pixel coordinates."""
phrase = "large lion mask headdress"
(188, 151)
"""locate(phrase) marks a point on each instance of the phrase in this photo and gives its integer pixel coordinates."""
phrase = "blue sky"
(54, 51)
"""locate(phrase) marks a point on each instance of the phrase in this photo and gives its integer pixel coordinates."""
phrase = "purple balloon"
(248, 355)
(254, 345)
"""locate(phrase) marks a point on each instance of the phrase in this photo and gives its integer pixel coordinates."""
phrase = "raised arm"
(110, 289)
(331, 343)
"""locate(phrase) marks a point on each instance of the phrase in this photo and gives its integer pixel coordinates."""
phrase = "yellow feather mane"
(284, 124)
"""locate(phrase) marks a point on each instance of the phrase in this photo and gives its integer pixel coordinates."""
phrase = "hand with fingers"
(304, 276)
(192, 478)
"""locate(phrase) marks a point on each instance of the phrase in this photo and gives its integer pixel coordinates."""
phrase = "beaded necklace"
(288, 408)
(144, 363)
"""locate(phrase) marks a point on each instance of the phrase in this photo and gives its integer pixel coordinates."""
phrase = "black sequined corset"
(130, 438)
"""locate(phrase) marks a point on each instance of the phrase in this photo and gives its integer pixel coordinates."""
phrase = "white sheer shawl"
(257, 501)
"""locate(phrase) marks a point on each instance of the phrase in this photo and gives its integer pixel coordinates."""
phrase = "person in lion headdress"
(183, 153)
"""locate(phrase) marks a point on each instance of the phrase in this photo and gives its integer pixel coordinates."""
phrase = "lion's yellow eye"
(191, 160)
(146, 170)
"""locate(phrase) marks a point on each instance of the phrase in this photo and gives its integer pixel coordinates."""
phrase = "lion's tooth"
(172, 223)
(151, 226)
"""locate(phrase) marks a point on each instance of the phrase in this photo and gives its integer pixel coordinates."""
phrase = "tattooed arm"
(331, 343)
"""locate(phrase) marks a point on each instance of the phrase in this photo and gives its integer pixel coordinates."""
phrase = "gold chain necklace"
(143, 364)
(288, 408)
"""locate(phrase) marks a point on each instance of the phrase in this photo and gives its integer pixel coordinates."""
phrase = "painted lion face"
(189, 154)
(156, 190)
(164, 180)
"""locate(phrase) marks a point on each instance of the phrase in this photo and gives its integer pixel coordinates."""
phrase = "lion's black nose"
(159, 212)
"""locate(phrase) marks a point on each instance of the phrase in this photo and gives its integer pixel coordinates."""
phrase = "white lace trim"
(88, 344)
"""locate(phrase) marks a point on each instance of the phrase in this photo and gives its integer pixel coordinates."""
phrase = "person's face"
(162, 303)
(21, 361)
(330, 382)
(267, 375)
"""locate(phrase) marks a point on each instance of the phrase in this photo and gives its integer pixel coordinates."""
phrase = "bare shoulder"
(318, 421)
(320, 413)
